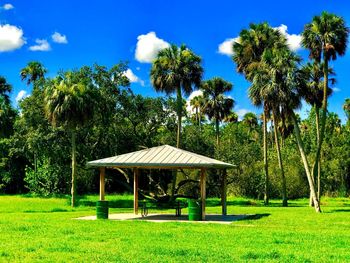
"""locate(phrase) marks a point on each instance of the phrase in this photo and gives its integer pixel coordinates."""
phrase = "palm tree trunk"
(73, 167)
(179, 116)
(319, 161)
(284, 184)
(217, 131)
(266, 167)
(323, 117)
(178, 137)
(306, 163)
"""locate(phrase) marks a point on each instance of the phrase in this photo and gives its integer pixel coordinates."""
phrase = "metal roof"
(162, 157)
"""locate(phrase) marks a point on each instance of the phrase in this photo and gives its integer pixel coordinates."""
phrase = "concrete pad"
(161, 218)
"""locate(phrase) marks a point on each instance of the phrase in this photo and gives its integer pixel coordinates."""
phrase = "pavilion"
(163, 157)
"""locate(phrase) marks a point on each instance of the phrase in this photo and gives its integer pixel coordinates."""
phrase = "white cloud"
(225, 47)
(8, 6)
(59, 38)
(293, 40)
(241, 112)
(11, 38)
(335, 89)
(148, 46)
(192, 95)
(21, 95)
(41, 45)
(133, 78)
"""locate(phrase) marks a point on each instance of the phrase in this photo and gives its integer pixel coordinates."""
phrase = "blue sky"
(108, 31)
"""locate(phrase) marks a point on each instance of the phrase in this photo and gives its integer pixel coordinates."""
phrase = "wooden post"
(203, 191)
(136, 188)
(102, 183)
(224, 192)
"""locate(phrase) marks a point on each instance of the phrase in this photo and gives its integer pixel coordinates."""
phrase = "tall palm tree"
(270, 84)
(313, 94)
(325, 37)
(346, 108)
(247, 54)
(197, 104)
(33, 72)
(217, 105)
(176, 70)
(69, 103)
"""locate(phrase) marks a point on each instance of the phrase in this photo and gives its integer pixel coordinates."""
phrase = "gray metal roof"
(164, 156)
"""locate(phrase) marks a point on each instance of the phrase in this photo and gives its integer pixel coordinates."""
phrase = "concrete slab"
(161, 218)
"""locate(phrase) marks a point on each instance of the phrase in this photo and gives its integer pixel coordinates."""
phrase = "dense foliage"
(91, 113)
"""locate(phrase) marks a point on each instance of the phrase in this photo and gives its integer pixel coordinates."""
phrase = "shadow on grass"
(214, 202)
(254, 217)
(340, 210)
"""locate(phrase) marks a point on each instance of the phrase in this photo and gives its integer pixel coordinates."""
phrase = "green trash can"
(194, 210)
(102, 209)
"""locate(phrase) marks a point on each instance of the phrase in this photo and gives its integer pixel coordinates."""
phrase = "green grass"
(42, 229)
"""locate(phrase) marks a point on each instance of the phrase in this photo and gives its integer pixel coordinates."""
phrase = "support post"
(224, 192)
(102, 183)
(136, 188)
(203, 191)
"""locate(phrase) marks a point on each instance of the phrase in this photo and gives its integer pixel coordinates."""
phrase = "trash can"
(102, 209)
(194, 210)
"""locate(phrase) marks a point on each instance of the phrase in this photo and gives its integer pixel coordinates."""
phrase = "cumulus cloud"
(293, 40)
(21, 95)
(8, 6)
(59, 38)
(11, 38)
(148, 46)
(192, 95)
(225, 47)
(41, 45)
(133, 78)
(241, 112)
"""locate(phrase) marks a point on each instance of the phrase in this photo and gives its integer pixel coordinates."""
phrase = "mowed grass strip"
(43, 229)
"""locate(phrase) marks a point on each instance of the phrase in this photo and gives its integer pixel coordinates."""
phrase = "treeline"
(91, 113)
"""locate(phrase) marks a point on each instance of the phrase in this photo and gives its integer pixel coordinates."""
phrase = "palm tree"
(69, 103)
(176, 70)
(217, 105)
(197, 104)
(325, 38)
(248, 51)
(346, 108)
(33, 72)
(232, 117)
(270, 84)
(313, 94)
(5, 89)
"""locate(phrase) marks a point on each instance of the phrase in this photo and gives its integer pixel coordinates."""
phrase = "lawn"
(43, 229)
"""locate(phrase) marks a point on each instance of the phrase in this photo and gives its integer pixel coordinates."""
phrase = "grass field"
(42, 229)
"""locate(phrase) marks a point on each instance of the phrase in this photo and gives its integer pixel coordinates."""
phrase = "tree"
(197, 104)
(346, 108)
(248, 51)
(313, 94)
(216, 105)
(176, 70)
(33, 72)
(69, 102)
(325, 37)
(270, 84)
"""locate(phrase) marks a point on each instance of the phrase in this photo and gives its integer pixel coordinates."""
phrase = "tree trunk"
(284, 184)
(266, 167)
(306, 164)
(319, 161)
(179, 117)
(73, 167)
(217, 131)
(323, 117)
